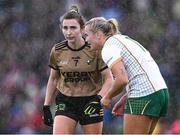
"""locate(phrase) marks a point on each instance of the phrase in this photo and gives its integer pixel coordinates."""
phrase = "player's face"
(71, 30)
(91, 38)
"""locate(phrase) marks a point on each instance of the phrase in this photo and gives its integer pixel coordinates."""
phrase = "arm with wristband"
(51, 87)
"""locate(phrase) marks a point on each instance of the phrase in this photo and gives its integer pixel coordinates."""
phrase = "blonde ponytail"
(108, 27)
(114, 25)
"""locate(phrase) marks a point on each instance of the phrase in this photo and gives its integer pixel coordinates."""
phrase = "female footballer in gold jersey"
(81, 78)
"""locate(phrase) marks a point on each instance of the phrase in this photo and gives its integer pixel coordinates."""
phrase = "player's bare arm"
(120, 81)
(107, 81)
(51, 86)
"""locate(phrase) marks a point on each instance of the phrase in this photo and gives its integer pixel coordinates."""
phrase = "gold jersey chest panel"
(79, 70)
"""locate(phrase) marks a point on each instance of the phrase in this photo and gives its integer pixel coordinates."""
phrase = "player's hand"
(105, 102)
(118, 108)
(47, 116)
(93, 106)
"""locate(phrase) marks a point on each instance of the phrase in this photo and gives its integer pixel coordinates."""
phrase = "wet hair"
(73, 13)
(108, 27)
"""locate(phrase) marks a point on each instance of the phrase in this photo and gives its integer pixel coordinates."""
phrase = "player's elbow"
(123, 82)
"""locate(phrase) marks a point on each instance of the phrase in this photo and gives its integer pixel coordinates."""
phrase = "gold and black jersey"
(80, 69)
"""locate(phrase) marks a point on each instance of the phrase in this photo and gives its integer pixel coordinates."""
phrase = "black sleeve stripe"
(60, 45)
(103, 68)
(53, 67)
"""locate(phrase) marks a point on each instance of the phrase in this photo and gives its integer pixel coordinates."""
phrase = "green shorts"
(155, 104)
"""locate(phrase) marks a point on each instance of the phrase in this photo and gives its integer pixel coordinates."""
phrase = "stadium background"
(28, 30)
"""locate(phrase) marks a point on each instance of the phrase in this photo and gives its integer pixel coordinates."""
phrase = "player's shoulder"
(61, 45)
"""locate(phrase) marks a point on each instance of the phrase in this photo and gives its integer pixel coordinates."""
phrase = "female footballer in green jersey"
(134, 68)
(80, 76)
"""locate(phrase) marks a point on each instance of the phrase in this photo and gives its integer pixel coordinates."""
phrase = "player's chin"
(72, 41)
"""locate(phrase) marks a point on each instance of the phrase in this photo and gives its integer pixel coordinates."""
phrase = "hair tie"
(73, 10)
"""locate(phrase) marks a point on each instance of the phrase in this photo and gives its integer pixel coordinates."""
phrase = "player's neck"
(77, 44)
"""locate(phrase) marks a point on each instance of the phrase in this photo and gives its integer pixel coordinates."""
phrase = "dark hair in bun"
(73, 13)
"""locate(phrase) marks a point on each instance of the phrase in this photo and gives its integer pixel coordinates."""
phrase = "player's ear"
(99, 34)
(83, 29)
(60, 26)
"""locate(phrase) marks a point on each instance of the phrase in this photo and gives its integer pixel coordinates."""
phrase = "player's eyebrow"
(73, 27)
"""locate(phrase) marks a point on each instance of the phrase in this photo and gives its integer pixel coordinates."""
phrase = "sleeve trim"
(53, 67)
(116, 61)
(103, 68)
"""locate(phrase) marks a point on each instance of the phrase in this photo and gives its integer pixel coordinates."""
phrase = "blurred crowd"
(28, 30)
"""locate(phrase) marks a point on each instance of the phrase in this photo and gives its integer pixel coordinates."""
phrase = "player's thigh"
(153, 125)
(95, 128)
(64, 125)
(136, 124)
